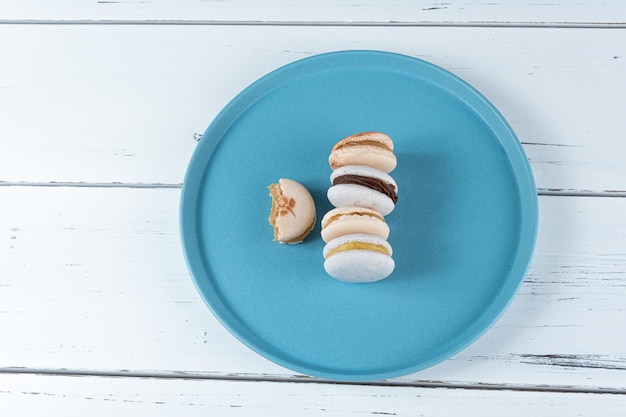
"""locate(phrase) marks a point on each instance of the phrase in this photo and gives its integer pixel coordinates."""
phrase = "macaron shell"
(296, 212)
(354, 223)
(374, 156)
(359, 266)
(382, 138)
(344, 195)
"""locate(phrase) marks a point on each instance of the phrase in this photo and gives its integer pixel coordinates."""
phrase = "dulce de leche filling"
(357, 246)
(369, 182)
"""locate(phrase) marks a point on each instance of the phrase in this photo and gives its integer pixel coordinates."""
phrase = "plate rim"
(262, 86)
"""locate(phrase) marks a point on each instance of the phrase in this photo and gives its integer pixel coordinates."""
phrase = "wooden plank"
(324, 11)
(94, 277)
(128, 110)
(102, 396)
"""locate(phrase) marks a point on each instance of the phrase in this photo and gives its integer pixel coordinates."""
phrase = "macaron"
(349, 220)
(363, 186)
(293, 211)
(366, 148)
(358, 258)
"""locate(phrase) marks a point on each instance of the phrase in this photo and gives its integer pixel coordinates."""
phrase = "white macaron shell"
(345, 195)
(359, 266)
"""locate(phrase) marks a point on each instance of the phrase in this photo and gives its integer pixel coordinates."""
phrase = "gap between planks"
(540, 191)
(392, 23)
(174, 375)
(72, 184)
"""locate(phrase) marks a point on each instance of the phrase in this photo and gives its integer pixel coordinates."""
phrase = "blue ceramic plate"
(463, 230)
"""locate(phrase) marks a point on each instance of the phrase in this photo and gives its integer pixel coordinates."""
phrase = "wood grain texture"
(94, 281)
(128, 109)
(100, 102)
(385, 12)
(104, 396)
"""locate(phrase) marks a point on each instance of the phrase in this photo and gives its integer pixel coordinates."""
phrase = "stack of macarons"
(363, 193)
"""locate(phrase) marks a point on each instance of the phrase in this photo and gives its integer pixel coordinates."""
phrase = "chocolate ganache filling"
(369, 182)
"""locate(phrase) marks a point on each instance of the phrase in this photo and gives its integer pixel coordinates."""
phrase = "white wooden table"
(99, 105)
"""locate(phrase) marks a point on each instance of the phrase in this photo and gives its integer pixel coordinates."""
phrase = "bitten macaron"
(363, 186)
(349, 220)
(366, 148)
(358, 258)
(293, 211)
